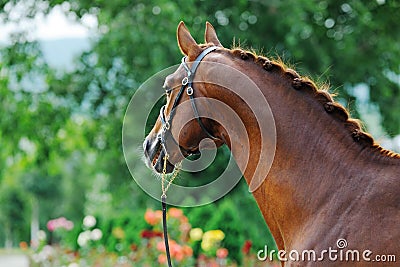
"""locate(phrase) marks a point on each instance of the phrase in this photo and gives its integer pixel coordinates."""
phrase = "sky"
(54, 26)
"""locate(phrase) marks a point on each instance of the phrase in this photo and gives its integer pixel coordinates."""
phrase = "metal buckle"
(189, 90)
(185, 81)
(166, 126)
(164, 122)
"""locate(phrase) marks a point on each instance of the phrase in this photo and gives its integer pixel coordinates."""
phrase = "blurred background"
(67, 72)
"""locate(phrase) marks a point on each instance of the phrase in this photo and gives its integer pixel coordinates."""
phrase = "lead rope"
(164, 190)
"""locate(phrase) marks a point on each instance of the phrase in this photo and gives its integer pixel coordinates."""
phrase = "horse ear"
(210, 36)
(186, 43)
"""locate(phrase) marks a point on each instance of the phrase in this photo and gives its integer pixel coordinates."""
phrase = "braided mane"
(336, 110)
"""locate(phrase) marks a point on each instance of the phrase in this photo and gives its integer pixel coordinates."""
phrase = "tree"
(325, 37)
(13, 212)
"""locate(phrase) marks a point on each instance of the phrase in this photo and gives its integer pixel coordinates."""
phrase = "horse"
(330, 188)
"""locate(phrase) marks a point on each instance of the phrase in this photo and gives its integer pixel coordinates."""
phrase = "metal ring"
(189, 90)
(185, 81)
(166, 126)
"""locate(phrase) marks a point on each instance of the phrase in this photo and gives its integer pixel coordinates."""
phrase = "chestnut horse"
(328, 181)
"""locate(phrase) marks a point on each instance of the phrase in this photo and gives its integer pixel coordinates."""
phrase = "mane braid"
(338, 112)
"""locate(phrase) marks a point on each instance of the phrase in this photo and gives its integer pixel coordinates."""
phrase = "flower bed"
(109, 244)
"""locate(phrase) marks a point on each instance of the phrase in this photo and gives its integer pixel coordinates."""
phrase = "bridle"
(187, 83)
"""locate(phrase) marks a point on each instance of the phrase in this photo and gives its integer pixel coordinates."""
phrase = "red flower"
(222, 253)
(133, 247)
(246, 247)
(150, 234)
(23, 245)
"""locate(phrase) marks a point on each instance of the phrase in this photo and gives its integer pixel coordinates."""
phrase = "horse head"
(179, 128)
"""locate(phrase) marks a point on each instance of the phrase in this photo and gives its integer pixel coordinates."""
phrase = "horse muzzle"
(155, 153)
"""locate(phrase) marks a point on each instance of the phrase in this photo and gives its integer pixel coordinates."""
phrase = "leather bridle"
(187, 83)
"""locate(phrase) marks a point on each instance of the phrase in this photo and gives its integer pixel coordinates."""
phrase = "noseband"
(187, 83)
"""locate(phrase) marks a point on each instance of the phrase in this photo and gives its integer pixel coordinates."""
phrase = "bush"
(122, 232)
(228, 220)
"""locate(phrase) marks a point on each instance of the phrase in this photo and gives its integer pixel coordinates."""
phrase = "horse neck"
(315, 157)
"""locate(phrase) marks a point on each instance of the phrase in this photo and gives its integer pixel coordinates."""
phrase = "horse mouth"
(156, 155)
(157, 158)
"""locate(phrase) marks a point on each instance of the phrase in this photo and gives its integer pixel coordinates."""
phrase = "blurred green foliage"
(60, 137)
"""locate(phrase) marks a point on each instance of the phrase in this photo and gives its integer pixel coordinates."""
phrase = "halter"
(187, 83)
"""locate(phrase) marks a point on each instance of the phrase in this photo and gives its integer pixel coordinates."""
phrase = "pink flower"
(175, 213)
(178, 252)
(153, 217)
(51, 225)
(222, 253)
(188, 251)
(184, 220)
(161, 246)
(162, 259)
(61, 222)
(179, 256)
(174, 247)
